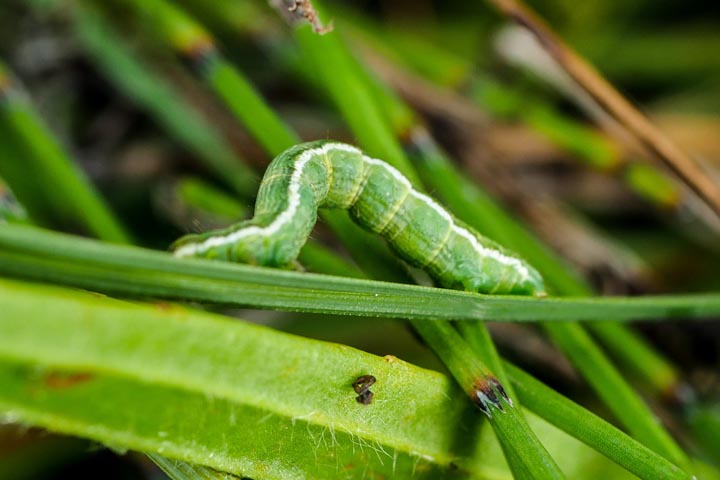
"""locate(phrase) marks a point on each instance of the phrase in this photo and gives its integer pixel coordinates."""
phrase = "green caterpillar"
(380, 199)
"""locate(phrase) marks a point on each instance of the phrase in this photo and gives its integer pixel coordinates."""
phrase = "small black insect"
(362, 388)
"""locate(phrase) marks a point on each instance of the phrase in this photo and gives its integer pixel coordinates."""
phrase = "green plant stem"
(465, 363)
(245, 102)
(192, 42)
(196, 193)
(336, 74)
(479, 340)
(584, 425)
(704, 420)
(643, 361)
(570, 417)
(28, 252)
(508, 422)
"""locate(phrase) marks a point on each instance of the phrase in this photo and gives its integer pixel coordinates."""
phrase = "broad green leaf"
(225, 435)
(229, 395)
(237, 397)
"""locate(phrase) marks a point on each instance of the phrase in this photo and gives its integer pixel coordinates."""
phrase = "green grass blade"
(643, 363)
(704, 422)
(28, 252)
(337, 75)
(244, 102)
(570, 417)
(161, 100)
(610, 385)
(37, 158)
(192, 42)
(577, 421)
(519, 443)
(196, 194)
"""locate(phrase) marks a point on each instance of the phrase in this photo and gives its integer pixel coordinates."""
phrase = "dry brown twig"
(612, 102)
(294, 11)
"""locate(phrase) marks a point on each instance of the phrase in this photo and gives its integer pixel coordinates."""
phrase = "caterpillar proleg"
(326, 174)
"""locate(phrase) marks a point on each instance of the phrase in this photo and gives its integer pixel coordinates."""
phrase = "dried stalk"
(613, 103)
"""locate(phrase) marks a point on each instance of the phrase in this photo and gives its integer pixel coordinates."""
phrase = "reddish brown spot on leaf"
(62, 380)
(164, 306)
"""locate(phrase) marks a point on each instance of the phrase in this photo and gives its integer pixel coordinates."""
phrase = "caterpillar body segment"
(324, 174)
